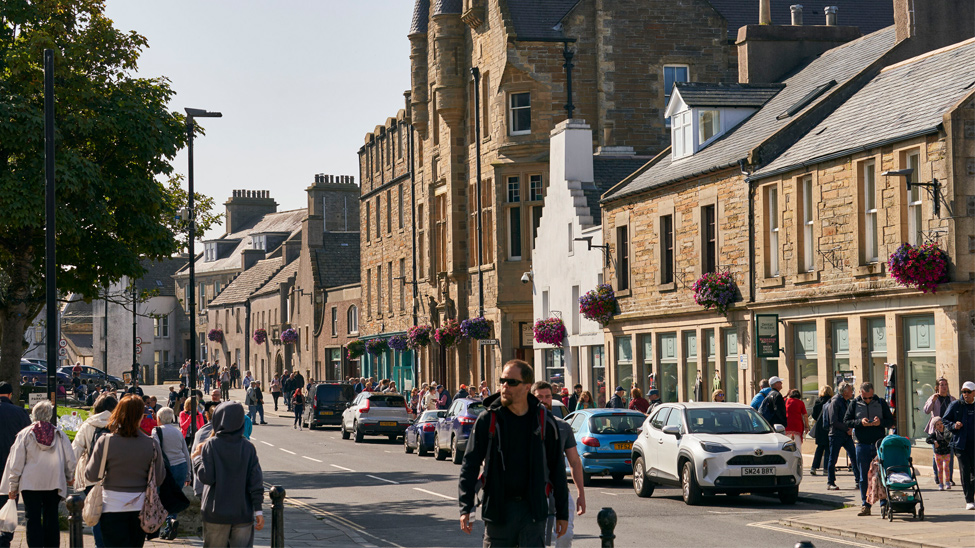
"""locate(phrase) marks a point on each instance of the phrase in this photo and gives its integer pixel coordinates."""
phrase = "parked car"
(454, 429)
(375, 414)
(707, 448)
(559, 410)
(604, 439)
(38, 374)
(421, 433)
(97, 376)
(328, 402)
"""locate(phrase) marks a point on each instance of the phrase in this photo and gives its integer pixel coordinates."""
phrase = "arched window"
(352, 319)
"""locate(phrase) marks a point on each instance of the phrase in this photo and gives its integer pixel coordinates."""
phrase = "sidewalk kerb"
(796, 523)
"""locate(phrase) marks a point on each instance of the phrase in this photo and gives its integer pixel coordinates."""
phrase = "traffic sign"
(489, 342)
(62, 343)
(138, 340)
(138, 349)
(62, 351)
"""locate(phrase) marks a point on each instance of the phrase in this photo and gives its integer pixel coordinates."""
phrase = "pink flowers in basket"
(715, 290)
(215, 335)
(260, 336)
(923, 267)
(449, 334)
(599, 304)
(550, 331)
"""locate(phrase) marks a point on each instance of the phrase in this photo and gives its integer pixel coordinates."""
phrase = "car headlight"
(789, 446)
(712, 447)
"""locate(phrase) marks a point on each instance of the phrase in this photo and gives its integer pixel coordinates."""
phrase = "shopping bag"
(8, 517)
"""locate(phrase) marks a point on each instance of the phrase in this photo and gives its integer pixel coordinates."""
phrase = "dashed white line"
(610, 494)
(266, 443)
(382, 479)
(342, 468)
(309, 458)
(432, 493)
(286, 451)
(388, 451)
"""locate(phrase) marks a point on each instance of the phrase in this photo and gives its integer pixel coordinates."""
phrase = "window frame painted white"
(512, 111)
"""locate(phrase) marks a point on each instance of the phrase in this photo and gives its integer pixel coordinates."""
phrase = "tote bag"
(153, 513)
(95, 500)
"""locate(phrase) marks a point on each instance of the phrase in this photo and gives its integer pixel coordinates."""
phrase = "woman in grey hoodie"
(233, 483)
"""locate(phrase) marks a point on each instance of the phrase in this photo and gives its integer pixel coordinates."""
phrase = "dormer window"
(259, 241)
(682, 133)
(209, 252)
(708, 125)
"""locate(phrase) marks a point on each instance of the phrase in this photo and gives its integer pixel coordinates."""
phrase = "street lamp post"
(191, 115)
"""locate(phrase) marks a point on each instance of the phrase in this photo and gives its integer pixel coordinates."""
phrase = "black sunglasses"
(510, 382)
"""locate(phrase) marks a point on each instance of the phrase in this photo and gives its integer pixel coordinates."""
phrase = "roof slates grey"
(248, 282)
(337, 263)
(868, 15)
(695, 94)
(537, 19)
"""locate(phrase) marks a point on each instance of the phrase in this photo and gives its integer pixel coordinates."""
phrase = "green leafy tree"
(115, 143)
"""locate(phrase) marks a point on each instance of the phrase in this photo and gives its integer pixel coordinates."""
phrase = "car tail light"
(591, 442)
(429, 427)
(365, 408)
(466, 420)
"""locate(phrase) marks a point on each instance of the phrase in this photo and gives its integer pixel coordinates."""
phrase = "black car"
(94, 375)
(326, 402)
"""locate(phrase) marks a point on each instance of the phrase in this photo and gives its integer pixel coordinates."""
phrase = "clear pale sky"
(299, 83)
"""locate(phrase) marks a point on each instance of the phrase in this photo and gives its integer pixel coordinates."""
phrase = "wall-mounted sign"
(742, 361)
(489, 342)
(767, 335)
(527, 335)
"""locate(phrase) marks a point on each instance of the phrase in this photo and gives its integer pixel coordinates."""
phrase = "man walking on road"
(518, 443)
(775, 403)
(840, 435)
(13, 419)
(543, 391)
(868, 416)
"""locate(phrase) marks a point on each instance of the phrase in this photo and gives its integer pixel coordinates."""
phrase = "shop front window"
(668, 381)
(646, 342)
(554, 366)
(922, 368)
(598, 385)
(731, 365)
(694, 382)
(877, 347)
(710, 376)
(624, 363)
(841, 346)
(807, 370)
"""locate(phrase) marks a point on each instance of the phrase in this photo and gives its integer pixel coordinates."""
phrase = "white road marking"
(735, 512)
(382, 479)
(342, 468)
(434, 494)
(765, 525)
(266, 443)
(309, 458)
(610, 494)
(286, 451)
(388, 451)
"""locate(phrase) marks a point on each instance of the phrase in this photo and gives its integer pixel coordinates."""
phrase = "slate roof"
(249, 281)
(159, 276)
(443, 7)
(284, 222)
(274, 284)
(81, 341)
(841, 64)
(904, 99)
(76, 311)
(337, 263)
(537, 19)
(868, 15)
(695, 94)
(421, 14)
(606, 173)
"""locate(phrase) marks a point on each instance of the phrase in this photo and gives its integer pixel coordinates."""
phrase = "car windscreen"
(33, 367)
(475, 408)
(387, 401)
(726, 421)
(615, 424)
(429, 416)
(335, 392)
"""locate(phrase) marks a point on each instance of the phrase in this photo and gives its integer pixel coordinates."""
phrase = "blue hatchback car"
(604, 438)
(454, 429)
(420, 434)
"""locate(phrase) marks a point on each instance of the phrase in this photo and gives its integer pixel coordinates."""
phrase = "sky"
(299, 84)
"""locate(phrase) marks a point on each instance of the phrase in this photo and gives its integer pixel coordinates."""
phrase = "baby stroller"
(899, 478)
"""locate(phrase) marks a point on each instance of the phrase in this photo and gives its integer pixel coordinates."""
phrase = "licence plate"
(326, 412)
(387, 424)
(758, 471)
(623, 446)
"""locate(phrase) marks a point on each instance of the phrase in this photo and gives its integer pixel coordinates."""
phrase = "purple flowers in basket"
(399, 342)
(550, 331)
(260, 336)
(476, 328)
(716, 290)
(923, 267)
(599, 304)
(376, 346)
(215, 335)
(289, 336)
(419, 336)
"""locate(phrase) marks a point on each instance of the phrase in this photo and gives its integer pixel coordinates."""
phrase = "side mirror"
(672, 430)
(778, 428)
(348, 405)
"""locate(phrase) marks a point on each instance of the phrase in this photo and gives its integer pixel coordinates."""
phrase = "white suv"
(708, 448)
(375, 414)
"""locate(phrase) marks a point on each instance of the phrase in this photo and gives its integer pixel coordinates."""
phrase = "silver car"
(375, 414)
(707, 448)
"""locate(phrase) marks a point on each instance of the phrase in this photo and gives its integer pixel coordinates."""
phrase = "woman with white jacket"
(40, 467)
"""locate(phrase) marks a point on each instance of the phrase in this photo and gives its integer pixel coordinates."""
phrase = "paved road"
(393, 499)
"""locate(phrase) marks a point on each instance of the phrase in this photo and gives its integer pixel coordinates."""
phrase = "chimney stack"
(247, 207)
(796, 14)
(831, 15)
(933, 24)
(764, 12)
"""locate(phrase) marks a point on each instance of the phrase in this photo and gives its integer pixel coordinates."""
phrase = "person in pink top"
(796, 417)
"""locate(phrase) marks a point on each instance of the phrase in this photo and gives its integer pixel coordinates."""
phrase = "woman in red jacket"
(796, 423)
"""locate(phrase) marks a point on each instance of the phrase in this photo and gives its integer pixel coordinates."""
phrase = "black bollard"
(75, 505)
(277, 516)
(606, 518)
(804, 544)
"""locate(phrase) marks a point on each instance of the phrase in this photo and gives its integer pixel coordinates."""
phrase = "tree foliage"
(115, 142)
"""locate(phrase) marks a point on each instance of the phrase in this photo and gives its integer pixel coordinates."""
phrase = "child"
(941, 440)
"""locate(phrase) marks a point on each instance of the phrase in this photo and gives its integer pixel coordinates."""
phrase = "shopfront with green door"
(921, 371)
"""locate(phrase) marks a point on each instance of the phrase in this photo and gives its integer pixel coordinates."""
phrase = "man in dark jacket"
(869, 416)
(462, 393)
(574, 398)
(775, 401)
(960, 418)
(618, 401)
(443, 399)
(522, 457)
(233, 483)
(840, 435)
(13, 419)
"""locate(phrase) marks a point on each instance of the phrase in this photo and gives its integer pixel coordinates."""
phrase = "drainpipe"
(751, 232)
(480, 240)
(412, 160)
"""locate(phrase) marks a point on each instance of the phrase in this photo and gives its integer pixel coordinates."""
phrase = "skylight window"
(805, 101)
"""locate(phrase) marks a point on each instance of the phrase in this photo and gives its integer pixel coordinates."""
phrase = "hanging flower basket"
(260, 336)
(399, 343)
(551, 331)
(599, 304)
(289, 336)
(215, 335)
(376, 346)
(356, 349)
(476, 328)
(419, 336)
(716, 290)
(449, 334)
(922, 267)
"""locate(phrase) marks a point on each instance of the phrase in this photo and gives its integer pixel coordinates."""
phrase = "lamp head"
(201, 113)
(899, 172)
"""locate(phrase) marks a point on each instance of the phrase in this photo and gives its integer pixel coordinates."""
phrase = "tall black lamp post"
(191, 115)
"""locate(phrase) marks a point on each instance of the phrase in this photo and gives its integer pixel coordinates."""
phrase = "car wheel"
(406, 445)
(642, 487)
(345, 433)
(586, 479)
(392, 437)
(359, 436)
(789, 496)
(691, 490)
(456, 456)
(437, 452)
(734, 493)
(618, 477)
(420, 450)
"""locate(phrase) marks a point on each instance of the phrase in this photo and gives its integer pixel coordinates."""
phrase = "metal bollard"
(804, 544)
(75, 504)
(606, 518)
(277, 516)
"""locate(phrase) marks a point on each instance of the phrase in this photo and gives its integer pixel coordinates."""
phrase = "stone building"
(795, 202)
(623, 58)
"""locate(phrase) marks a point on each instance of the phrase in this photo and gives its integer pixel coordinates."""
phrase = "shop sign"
(767, 334)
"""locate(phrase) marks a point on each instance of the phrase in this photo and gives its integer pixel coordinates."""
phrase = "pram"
(899, 478)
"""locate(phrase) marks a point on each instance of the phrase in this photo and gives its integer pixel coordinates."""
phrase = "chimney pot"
(796, 14)
(764, 12)
(831, 15)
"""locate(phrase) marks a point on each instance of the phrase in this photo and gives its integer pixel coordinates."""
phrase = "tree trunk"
(17, 311)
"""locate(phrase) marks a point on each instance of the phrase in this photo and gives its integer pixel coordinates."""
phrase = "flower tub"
(377, 346)
(551, 331)
(260, 336)
(716, 290)
(356, 349)
(476, 328)
(399, 343)
(449, 334)
(922, 267)
(215, 335)
(289, 336)
(419, 336)
(599, 304)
